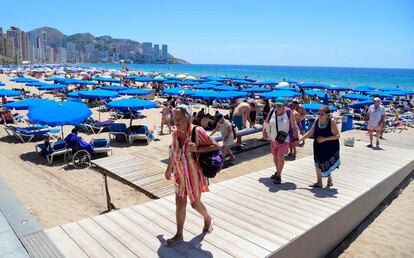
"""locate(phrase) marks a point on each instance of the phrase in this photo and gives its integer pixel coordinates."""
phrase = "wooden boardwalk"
(253, 216)
(144, 169)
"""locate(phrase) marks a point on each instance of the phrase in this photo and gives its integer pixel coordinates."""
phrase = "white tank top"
(283, 124)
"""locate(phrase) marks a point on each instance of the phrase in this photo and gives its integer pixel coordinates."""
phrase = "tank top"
(283, 124)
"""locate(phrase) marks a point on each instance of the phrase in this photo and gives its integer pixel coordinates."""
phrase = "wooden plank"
(123, 236)
(222, 239)
(105, 239)
(64, 243)
(91, 247)
(139, 232)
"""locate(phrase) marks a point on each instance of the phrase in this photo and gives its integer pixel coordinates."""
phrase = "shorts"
(375, 127)
(238, 121)
(252, 116)
(279, 149)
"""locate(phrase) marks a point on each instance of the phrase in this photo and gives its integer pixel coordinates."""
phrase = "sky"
(339, 33)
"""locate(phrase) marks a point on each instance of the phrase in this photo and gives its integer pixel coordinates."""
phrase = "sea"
(352, 77)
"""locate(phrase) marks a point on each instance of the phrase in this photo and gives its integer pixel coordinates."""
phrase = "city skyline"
(35, 47)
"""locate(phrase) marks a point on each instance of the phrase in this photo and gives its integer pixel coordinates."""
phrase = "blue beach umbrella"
(135, 92)
(114, 88)
(74, 94)
(340, 88)
(98, 94)
(2, 84)
(256, 90)
(243, 82)
(178, 92)
(172, 78)
(318, 93)
(36, 84)
(364, 88)
(266, 83)
(110, 80)
(284, 88)
(399, 93)
(23, 80)
(9, 93)
(131, 104)
(54, 79)
(207, 94)
(369, 102)
(379, 94)
(389, 89)
(224, 88)
(279, 94)
(139, 78)
(314, 107)
(53, 87)
(205, 86)
(81, 82)
(355, 97)
(218, 79)
(313, 86)
(59, 114)
(233, 94)
(159, 79)
(27, 103)
(187, 83)
(215, 82)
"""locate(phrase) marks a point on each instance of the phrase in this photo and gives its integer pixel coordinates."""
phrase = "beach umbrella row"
(10, 93)
(314, 107)
(280, 94)
(27, 103)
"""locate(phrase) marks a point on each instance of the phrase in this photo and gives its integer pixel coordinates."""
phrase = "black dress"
(326, 154)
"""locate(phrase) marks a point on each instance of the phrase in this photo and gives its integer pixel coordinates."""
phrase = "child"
(225, 128)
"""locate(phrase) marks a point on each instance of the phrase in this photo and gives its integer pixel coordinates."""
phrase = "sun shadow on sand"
(183, 248)
(37, 159)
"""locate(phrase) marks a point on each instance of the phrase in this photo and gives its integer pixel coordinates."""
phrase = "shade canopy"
(379, 94)
(224, 88)
(318, 93)
(399, 93)
(313, 86)
(114, 88)
(364, 88)
(23, 80)
(59, 113)
(280, 94)
(75, 81)
(135, 92)
(314, 107)
(340, 88)
(27, 103)
(100, 79)
(256, 90)
(139, 78)
(178, 92)
(187, 83)
(54, 79)
(53, 87)
(355, 97)
(209, 95)
(2, 84)
(131, 104)
(215, 82)
(284, 88)
(36, 84)
(205, 86)
(243, 82)
(266, 83)
(98, 94)
(9, 93)
(369, 102)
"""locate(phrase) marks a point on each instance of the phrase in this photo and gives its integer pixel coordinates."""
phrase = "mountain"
(104, 48)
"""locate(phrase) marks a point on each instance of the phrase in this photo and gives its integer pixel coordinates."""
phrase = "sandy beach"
(56, 194)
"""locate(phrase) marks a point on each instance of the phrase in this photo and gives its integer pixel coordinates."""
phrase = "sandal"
(208, 229)
(329, 184)
(171, 242)
(278, 179)
(273, 176)
(315, 185)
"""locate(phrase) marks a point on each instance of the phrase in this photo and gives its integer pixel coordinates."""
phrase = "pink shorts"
(375, 127)
(279, 149)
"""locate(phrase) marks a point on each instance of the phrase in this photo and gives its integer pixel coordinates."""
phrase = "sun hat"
(377, 99)
(294, 101)
(280, 101)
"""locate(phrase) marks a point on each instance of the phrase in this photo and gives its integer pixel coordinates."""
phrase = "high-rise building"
(156, 54)
(25, 46)
(164, 54)
(14, 33)
(147, 46)
(1, 42)
(71, 52)
(43, 39)
(50, 57)
(8, 44)
(62, 56)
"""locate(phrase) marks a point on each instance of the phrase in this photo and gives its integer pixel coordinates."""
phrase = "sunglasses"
(322, 114)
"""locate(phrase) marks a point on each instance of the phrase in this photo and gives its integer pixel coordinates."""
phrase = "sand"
(56, 194)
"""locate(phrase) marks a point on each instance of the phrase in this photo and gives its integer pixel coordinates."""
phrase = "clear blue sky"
(351, 33)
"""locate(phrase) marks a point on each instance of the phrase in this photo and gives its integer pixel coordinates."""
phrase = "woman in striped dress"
(189, 179)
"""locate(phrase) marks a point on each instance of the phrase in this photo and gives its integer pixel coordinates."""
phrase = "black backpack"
(210, 162)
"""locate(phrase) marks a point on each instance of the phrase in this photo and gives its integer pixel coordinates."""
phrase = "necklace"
(322, 126)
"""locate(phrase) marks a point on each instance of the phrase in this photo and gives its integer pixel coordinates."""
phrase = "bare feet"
(174, 240)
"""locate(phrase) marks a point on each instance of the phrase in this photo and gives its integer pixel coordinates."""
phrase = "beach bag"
(350, 141)
(210, 162)
(281, 135)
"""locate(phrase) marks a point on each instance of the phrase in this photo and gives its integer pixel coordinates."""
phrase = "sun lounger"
(101, 145)
(96, 127)
(140, 133)
(117, 131)
(243, 132)
(26, 134)
(58, 148)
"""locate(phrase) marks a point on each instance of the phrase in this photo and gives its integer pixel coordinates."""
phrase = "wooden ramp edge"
(253, 216)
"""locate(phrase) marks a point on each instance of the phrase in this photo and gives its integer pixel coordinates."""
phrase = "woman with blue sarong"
(325, 146)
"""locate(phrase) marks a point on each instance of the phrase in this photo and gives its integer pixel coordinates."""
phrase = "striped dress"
(189, 178)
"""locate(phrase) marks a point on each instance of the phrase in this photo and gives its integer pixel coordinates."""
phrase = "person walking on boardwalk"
(375, 117)
(325, 146)
(280, 127)
(189, 178)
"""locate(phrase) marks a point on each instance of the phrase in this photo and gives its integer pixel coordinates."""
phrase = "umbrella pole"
(61, 130)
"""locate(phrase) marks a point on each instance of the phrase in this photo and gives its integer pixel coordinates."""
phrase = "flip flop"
(315, 185)
(330, 184)
(209, 229)
(172, 242)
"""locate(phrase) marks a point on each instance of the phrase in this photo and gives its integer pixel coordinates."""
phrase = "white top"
(375, 114)
(224, 128)
(283, 124)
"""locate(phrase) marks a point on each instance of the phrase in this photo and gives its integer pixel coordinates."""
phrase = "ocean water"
(353, 77)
